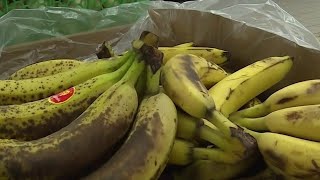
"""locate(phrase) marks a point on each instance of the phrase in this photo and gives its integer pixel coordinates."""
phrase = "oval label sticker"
(62, 96)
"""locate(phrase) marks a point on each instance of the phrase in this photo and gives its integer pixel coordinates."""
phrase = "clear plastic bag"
(21, 26)
(262, 14)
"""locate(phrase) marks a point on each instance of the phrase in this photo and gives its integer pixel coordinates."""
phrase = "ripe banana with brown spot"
(231, 93)
(45, 68)
(69, 152)
(301, 121)
(33, 120)
(297, 94)
(182, 84)
(214, 55)
(145, 152)
(289, 156)
(27, 90)
(209, 73)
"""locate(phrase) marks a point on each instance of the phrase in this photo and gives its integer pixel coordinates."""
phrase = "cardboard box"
(246, 44)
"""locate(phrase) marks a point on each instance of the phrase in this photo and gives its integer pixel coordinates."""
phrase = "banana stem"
(215, 137)
(256, 124)
(153, 80)
(216, 155)
(256, 135)
(124, 68)
(121, 59)
(132, 76)
(222, 123)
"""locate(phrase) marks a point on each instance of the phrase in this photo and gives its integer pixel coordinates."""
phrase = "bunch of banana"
(297, 94)
(234, 91)
(74, 148)
(301, 121)
(145, 152)
(27, 90)
(33, 120)
(291, 157)
(133, 115)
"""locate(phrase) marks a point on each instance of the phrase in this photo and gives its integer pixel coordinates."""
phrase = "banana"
(68, 152)
(210, 170)
(182, 84)
(301, 121)
(212, 55)
(183, 45)
(27, 90)
(290, 156)
(241, 86)
(297, 94)
(33, 120)
(145, 153)
(45, 68)
(185, 152)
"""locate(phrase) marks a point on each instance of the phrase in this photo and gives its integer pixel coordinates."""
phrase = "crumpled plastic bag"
(21, 26)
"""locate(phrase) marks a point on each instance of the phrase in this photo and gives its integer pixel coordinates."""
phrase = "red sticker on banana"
(62, 96)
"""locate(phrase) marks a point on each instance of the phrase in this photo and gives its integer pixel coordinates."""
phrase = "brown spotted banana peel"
(182, 84)
(45, 68)
(231, 93)
(68, 152)
(145, 152)
(27, 90)
(209, 73)
(290, 156)
(300, 121)
(214, 55)
(297, 94)
(34, 120)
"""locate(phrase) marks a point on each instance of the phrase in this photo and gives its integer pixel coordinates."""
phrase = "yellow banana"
(297, 94)
(33, 120)
(183, 45)
(182, 84)
(209, 73)
(301, 121)
(290, 156)
(241, 86)
(45, 68)
(27, 90)
(145, 152)
(67, 153)
(213, 55)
